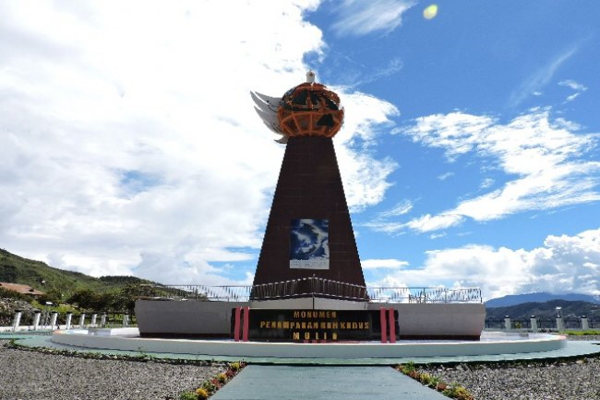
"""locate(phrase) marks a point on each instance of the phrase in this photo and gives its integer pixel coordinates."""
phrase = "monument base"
(185, 318)
(455, 321)
(213, 319)
(492, 343)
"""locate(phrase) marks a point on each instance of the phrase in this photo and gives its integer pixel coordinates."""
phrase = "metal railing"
(310, 286)
(424, 295)
(544, 324)
(319, 287)
(204, 292)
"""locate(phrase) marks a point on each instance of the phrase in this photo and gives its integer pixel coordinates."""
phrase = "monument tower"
(309, 232)
(309, 286)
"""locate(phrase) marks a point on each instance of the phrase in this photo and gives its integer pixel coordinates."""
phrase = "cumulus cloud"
(388, 263)
(364, 176)
(357, 18)
(562, 264)
(129, 143)
(430, 222)
(544, 159)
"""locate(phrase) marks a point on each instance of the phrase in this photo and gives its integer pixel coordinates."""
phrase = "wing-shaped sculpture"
(266, 108)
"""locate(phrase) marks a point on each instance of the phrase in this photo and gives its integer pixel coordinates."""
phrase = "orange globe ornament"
(310, 109)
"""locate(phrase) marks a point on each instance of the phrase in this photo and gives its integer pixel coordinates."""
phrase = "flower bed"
(453, 390)
(210, 386)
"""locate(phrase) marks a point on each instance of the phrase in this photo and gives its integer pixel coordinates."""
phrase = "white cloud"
(363, 176)
(540, 77)
(389, 263)
(356, 17)
(428, 222)
(576, 86)
(381, 221)
(400, 208)
(573, 85)
(437, 235)
(486, 183)
(572, 97)
(129, 143)
(356, 78)
(445, 176)
(544, 158)
(457, 133)
(563, 264)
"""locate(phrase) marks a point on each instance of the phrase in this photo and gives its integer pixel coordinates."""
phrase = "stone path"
(280, 382)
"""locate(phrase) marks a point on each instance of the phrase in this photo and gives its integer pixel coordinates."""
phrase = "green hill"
(569, 309)
(15, 269)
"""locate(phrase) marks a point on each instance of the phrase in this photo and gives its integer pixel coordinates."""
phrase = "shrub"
(407, 368)
(583, 333)
(188, 396)
(457, 392)
(222, 377)
(434, 382)
(209, 386)
(202, 394)
(425, 378)
(11, 294)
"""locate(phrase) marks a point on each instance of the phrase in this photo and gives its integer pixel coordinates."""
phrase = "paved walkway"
(281, 382)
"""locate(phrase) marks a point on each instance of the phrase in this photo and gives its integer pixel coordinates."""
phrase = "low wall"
(213, 318)
(184, 318)
(438, 321)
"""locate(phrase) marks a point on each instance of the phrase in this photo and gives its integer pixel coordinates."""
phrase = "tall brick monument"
(309, 286)
(309, 231)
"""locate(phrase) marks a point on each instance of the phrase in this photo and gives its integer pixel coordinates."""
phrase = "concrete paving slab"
(280, 382)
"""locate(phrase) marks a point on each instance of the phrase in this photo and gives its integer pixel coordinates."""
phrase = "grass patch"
(588, 332)
(140, 357)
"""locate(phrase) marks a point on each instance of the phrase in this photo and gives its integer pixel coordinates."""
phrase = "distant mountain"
(38, 275)
(542, 297)
(546, 310)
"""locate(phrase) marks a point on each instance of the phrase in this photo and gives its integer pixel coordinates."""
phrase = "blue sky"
(128, 142)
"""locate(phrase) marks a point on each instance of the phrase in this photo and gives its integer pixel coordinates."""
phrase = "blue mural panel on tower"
(309, 244)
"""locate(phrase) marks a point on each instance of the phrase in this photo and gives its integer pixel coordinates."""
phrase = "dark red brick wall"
(309, 186)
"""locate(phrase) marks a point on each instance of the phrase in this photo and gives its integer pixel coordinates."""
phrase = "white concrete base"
(438, 320)
(121, 332)
(191, 317)
(491, 343)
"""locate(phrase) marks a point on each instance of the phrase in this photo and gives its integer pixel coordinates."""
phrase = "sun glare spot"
(430, 11)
